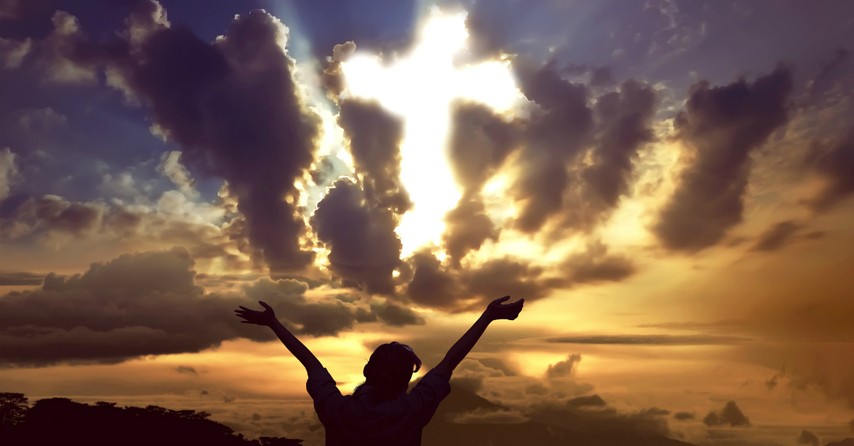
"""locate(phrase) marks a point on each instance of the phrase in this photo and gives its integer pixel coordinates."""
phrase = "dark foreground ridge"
(60, 421)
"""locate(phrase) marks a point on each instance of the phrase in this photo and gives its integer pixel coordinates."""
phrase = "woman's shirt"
(362, 419)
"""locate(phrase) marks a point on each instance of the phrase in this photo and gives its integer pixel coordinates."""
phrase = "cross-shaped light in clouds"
(420, 87)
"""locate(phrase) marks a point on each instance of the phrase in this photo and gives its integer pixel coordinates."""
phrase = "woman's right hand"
(498, 310)
(266, 317)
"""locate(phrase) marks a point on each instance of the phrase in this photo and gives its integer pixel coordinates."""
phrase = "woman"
(380, 412)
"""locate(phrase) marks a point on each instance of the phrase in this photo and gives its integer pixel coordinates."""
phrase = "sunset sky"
(669, 184)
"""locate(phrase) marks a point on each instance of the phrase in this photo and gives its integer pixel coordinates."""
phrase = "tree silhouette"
(13, 408)
(62, 421)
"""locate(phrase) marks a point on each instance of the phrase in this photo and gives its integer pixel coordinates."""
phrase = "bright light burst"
(420, 87)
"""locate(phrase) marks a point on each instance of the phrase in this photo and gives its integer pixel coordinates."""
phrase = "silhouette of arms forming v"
(294, 345)
(496, 310)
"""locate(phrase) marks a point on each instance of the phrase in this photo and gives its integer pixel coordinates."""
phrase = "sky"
(668, 184)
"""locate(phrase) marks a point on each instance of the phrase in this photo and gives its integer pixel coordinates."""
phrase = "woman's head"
(390, 368)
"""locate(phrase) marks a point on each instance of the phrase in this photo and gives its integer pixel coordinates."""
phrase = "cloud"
(622, 126)
(504, 276)
(564, 369)
(52, 214)
(396, 315)
(591, 414)
(170, 166)
(560, 126)
(729, 415)
(431, 284)
(236, 112)
(587, 401)
(186, 370)
(174, 220)
(67, 55)
(149, 304)
(13, 52)
(22, 9)
(833, 164)
(684, 416)
(721, 126)
(8, 172)
(807, 437)
(595, 265)
(20, 278)
(332, 78)
(374, 137)
(479, 143)
(649, 340)
(467, 227)
(454, 288)
(830, 73)
(776, 236)
(364, 250)
(135, 305)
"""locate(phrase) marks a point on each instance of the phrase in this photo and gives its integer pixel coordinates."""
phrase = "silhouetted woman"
(380, 412)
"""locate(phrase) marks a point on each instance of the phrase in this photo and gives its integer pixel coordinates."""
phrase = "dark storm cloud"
(684, 416)
(364, 249)
(450, 287)
(435, 285)
(600, 77)
(467, 227)
(148, 304)
(432, 285)
(235, 109)
(730, 415)
(53, 220)
(51, 214)
(776, 236)
(595, 265)
(397, 315)
(186, 370)
(722, 126)
(649, 339)
(834, 163)
(479, 143)
(557, 132)
(134, 305)
(587, 401)
(574, 162)
(312, 318)
(623, 120)
(505, 276)
(20, 278)
(374, 137)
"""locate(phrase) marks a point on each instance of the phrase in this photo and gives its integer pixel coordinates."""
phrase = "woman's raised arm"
(295, 346)
(496, 310)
